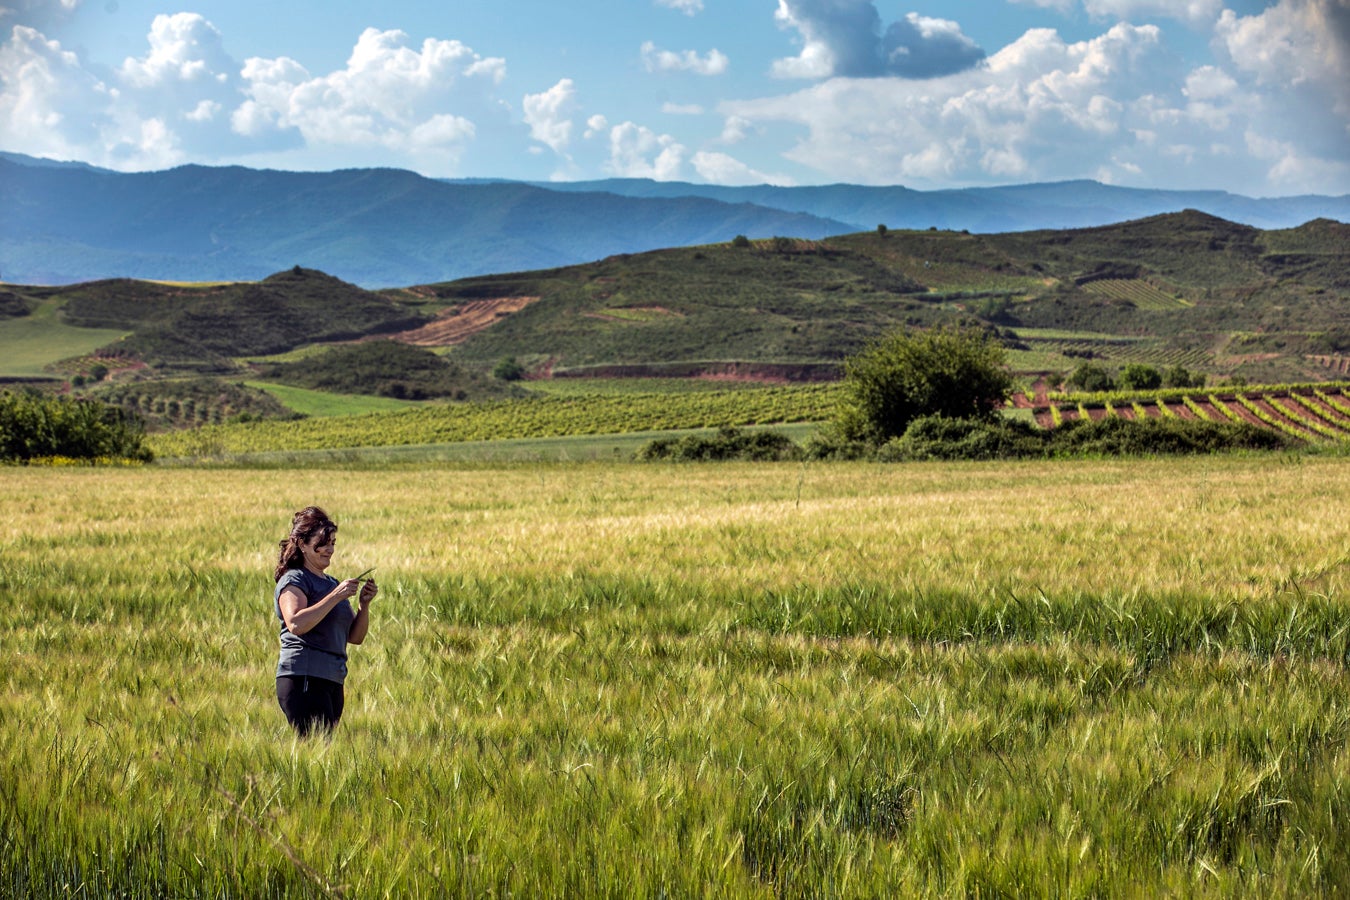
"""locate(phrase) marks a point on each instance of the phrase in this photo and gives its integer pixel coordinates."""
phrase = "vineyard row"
(1309, 414)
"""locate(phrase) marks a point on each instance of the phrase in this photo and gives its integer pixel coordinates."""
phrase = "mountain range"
(70, 222)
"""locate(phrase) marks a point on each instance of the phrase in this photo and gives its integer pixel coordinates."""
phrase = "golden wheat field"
(1051, 679)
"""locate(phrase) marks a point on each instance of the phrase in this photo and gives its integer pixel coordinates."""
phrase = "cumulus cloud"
(389, 95)
(1121, 107)
(845, 38)
(719, 168)
(1293, 62)
(1033, 111)
(49, 105)
(183, 48)
(549, 115)
(186, 98)
(657, 60)
(595, 125)
(735, 129)
(636, 151)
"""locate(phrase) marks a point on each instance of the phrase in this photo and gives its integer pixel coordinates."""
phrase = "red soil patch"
(1182, 411)
(456, 325)
(1269, 409)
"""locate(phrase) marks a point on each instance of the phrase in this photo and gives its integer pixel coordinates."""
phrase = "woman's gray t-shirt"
(322, 651)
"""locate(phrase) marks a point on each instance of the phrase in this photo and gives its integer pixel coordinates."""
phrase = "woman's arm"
(361, 624)
(300, 618)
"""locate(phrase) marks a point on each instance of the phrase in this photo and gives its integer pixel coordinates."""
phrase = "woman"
(317, 623)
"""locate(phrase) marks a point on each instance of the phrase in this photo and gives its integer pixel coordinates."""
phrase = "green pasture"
(31, 343)
(1057, 679)
(321, 403)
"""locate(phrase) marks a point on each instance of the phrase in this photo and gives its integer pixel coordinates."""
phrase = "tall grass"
(1050, 679)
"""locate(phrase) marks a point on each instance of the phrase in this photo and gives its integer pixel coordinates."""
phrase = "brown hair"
(306, 525)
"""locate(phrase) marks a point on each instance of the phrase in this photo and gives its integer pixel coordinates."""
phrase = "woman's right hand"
(349, 588)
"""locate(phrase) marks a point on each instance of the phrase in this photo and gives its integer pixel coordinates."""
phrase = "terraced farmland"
(1313, 413)
(1137, 292)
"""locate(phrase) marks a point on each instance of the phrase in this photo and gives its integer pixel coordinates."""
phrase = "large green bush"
(956, 373)
(36, 426)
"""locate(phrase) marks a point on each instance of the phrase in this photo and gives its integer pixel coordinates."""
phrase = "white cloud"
(638, 152)
(657, 60)
(183, 47)
(688, 7)
(389, 95)
(681, 109)
(719, 168)
(1294, 41)
(595, 125)
(845, 37)
(1121, 107)
(205, 111)
(49, 105)
(735, 129)
(1034, 108)
(1293, 61)
(549, 115)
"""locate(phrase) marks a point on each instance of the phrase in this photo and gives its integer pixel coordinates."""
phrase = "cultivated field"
(1056, 679)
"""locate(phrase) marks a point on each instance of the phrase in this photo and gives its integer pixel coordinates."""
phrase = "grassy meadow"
(1066, 679)
(29, 344)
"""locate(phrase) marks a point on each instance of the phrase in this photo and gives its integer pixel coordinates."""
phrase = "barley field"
(1066, 679)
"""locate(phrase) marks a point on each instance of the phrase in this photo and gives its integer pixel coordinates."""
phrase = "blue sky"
(1250, 96)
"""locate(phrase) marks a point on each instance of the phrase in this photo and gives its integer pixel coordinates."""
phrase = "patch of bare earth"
(458, 324)
(1181, 410)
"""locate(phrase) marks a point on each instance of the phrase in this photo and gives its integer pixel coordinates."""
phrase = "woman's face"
(318, 552)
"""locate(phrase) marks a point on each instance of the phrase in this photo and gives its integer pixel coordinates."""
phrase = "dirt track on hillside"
(456, 325)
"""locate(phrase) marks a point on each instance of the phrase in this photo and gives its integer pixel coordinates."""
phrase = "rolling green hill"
(1186, 289)
(1242, 302)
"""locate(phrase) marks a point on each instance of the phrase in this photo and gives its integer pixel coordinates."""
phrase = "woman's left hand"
(368, 592)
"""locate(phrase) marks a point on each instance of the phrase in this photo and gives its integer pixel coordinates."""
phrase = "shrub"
(726, 444)
(828, 444)
(1180, 377)
(1139, 377)
(1090, 378)
(951, 372)
(33, 426)
(933, 437)
(508, 368)
(1126, 437)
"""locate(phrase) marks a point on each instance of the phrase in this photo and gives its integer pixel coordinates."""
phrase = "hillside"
(1185, 289)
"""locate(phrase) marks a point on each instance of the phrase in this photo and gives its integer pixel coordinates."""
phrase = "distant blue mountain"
(69, 222)
(371, 227)
(1027, 207)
